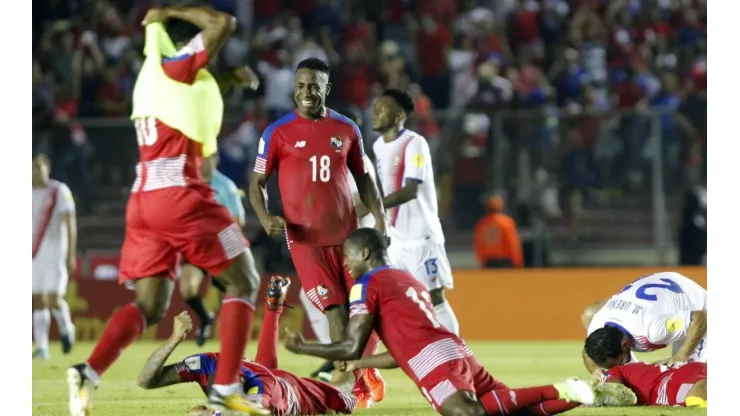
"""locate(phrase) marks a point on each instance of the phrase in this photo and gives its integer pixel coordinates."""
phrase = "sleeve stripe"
(260, 164)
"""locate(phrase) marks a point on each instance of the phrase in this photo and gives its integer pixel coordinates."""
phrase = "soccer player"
(54, 256)
(191, 277)
(659, 385)
(649, 314)
(178, 111)
(398, 307)
(319, 322)
(279, 391)
(311, 150)
(404, 165)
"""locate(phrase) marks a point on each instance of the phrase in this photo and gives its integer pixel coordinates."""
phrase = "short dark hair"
(403, 99)
(604, 343)
(371, 239)
(314, 64)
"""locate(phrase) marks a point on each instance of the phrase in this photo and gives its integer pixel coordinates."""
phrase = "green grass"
(516, 363)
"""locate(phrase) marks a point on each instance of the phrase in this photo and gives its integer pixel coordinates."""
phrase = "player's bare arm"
(370, 196)
(70, 219)
(694, 334)
(155, 374)
(379, 361)
(349, 348)
(242, 77)
(274, 225)
(407, 193)
(216, 26)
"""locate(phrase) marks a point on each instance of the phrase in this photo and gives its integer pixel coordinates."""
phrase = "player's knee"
(462, 404)
(153, 311)
(437, 296)
(37, 302)
(54, 301)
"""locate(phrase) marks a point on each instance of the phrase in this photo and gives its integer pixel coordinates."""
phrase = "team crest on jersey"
(336, 143)
(322, 291)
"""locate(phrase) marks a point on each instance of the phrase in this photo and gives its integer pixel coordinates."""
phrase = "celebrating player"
(191, 277)
(54, 258)
(279, 391)
(405, 169)
(178, 111)
(649, 314)
(659, 385)
(312, 150)
(397, 306)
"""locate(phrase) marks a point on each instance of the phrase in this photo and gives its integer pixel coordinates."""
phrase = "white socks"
(41, 324)
(63, 318)
(447, 317)
(319, 322)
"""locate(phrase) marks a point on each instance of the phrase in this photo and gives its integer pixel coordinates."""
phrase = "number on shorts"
(321, 169)
(146, 131)
(641, 292)
(431, 266)
(424, 303)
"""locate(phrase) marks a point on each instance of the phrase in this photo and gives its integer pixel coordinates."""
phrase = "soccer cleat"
(576, 390)
(205, 330)
(693, 401)
(40, 354)
(375, 383)
(68, 340)
(364, 401)
(277, 291)
(614, 394)
(235, 402)
(81, 390)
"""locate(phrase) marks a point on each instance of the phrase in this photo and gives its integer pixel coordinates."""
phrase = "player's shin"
(41, 323)
(62, 316)
(235, 323)
(446, 317)
(123, 328)
(504, 401)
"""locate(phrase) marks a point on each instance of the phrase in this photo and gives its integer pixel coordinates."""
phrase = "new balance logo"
(300, 144)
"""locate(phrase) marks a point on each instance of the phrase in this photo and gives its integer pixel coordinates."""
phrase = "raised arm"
(155, 374)
(216, 26)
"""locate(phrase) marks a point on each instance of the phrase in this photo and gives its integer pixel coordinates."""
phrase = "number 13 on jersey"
(320, 168)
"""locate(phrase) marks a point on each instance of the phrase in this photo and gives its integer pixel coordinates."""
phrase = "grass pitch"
(516, 363)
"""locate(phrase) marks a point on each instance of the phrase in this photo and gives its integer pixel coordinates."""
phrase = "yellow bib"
(196, 110)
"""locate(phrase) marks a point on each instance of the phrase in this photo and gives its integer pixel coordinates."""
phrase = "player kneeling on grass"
(280, 392)
(660, 385)
(397, 306)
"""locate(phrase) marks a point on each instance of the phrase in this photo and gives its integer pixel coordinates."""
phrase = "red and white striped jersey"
(408, 158)
(405, 321)
(50, 203)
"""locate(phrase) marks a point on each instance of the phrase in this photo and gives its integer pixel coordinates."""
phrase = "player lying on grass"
(280, 392)
(397, 306)
(659, 385)
(649, 314)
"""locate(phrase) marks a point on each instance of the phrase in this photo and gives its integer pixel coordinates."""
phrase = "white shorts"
(48, 277)
(427, 262)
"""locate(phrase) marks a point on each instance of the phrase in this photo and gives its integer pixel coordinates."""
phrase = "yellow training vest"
(196, 110)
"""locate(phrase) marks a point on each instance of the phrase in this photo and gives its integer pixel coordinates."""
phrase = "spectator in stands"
(278, 85)
(693, 232)
(496, 238)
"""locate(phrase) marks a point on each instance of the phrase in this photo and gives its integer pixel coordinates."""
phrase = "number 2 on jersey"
(320, 169)
(423, 303)
(641, 292)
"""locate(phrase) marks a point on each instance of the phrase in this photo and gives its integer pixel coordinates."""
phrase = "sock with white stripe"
(41, 324)
(62, 316)
(528, 401)
(319, 322)
(235, 325)
(447, 317)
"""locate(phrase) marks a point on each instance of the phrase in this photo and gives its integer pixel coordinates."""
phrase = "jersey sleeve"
(665, 329)
(184, 66)
(614, 375)
(267, 151)
(417, 157)
(65, 201)
(362, 299)
(356, 161)
(196, 368)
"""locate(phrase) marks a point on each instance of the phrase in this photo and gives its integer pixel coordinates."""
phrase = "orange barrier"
(538, 304)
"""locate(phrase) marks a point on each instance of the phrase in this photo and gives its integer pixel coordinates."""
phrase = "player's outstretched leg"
(189, 285)
(237, 311)
(60, 311)
(152, 301)
(443, 311)
(41, 324)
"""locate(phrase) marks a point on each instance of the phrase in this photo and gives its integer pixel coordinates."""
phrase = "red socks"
(234, 325)
(503, 402)
(123, 328)
(267, 346)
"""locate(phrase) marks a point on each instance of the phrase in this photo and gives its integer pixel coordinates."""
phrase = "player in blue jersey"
(191, 277)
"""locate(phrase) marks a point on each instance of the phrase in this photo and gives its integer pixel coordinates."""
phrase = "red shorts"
(673, 388)
(164, 223)
(323, 277)
(466, 374)
(316, 397)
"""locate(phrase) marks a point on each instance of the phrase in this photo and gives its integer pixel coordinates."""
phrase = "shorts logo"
(336, 143)
(322, 291)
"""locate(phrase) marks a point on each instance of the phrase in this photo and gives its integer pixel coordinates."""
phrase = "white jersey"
(368, 221)
(50, 204)
(655, 311)
(408, 157)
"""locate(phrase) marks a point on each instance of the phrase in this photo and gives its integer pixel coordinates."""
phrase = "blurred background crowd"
(587, 117)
